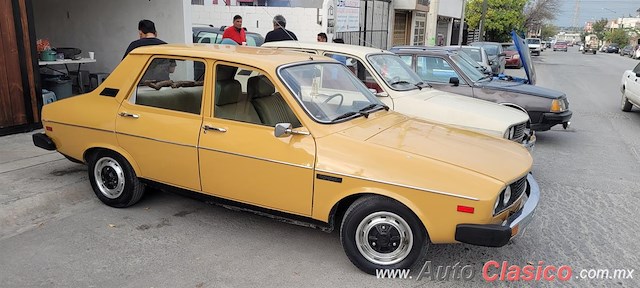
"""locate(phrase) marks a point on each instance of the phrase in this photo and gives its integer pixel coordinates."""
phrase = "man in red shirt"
(235, 32)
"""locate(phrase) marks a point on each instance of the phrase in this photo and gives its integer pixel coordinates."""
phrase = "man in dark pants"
(279, 33)
(147, 33)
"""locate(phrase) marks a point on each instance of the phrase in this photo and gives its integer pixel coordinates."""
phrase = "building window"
(197, 2)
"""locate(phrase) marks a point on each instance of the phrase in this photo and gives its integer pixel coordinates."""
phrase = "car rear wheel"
(113, 180)
(381, 233)
(626, 105)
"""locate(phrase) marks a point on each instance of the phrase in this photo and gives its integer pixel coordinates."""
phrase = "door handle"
(125, 114)
(211, 128)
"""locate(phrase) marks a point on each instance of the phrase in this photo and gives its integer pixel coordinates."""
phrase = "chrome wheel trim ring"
(391, 222)
(109, 177)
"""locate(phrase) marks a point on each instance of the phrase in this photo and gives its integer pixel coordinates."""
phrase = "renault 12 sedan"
(290, 133)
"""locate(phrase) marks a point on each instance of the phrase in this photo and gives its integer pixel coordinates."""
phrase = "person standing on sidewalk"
(148, 36)
(235, 32)
(279, 32)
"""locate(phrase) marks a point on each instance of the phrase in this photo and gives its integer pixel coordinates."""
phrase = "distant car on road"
(613, 48)
(535, 45)
(560, 46)
(630, 89)
(627, 51)
(511, 55)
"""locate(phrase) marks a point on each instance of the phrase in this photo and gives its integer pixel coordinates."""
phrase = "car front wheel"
(381, 233)
(113, 180)
(626, 105)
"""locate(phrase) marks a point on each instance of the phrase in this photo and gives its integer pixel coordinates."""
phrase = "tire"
(625, 105)
(372, 217)
(113, 180)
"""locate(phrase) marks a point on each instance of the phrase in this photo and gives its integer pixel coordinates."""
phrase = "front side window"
(170, 84)
(435, 69)
(326, 100)
(248, 95)
(394, 71)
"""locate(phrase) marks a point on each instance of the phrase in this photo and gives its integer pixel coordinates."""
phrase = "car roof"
(440, 50)
(260, 57)
(337, 47)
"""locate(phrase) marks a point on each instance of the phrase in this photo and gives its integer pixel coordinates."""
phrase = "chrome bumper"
(521, 218)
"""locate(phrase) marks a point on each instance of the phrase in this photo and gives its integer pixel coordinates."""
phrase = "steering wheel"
(333, 96)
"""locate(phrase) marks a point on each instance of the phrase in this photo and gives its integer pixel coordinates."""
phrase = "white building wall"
(450, 8)
(107, 27)
(301, 21)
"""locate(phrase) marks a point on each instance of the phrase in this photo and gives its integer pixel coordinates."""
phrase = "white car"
(630, 89)
(399, 87)
(535, 45)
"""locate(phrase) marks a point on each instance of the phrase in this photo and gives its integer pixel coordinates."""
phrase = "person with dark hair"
(322, 37)
(279, 33)
(236, 32)
(148, 36)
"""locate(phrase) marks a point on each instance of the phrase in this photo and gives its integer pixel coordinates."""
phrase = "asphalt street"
(54, 232)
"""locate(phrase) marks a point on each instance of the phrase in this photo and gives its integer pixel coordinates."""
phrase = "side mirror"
(284, 130)
(455, 81)
(382, 94)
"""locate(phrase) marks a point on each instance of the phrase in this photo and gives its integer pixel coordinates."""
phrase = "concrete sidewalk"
(33, 190)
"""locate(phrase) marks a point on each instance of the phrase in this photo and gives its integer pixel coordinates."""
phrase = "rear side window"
(208, 38)
(435, 69)
(170, 84)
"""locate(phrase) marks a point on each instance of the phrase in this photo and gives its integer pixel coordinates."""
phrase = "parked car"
(543, 45)
(447, 71)
(282, 133)
(612, 48)
(636, 53)
(630, 89)
(535, 45)
(479, 55)
(560, 46)
(496, 55)
(627, 51)
(213, 35)
(400, 88)
(512, 56)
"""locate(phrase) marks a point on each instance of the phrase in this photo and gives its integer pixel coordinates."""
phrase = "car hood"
(457, 110)
(525, 57)
(521, 88)
(496, 158)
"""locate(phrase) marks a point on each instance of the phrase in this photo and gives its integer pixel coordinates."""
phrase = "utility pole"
(464, 4)
(484, 14)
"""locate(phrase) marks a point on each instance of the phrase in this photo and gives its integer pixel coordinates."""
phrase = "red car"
(512, 56)
(560, 46)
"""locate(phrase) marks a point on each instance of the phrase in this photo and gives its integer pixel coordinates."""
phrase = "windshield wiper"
(347, 115)
(365, 111)
(400, 82)
(486, 77)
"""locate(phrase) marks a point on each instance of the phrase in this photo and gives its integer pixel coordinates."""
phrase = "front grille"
(518, 132)
(517, 189)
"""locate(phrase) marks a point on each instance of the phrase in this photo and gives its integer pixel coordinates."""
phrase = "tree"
(598, 27)
(537, 12)
(617, 36)
(502, 17)
(548, 31)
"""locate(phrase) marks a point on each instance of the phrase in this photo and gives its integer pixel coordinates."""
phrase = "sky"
(594, 10)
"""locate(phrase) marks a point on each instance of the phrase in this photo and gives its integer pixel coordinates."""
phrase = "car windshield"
(466, 57)
(474, 53)
(329, 92)
(469, 70)
(395, 72)
(533, 41)
(492, 50)
(509, 48)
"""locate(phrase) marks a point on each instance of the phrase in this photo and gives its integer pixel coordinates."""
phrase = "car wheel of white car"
(626, 105)
(113, 180)
(381, 233)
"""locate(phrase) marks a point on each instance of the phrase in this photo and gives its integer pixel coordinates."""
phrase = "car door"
(159, 125)
(633, 85)
(240, 158)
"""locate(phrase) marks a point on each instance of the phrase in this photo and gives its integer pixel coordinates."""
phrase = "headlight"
(557, 105)
(516, 56)
(506, 196)
(510, 132)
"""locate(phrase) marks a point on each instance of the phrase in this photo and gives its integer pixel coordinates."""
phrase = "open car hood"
(525, 57)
